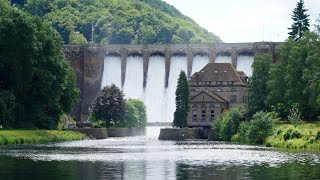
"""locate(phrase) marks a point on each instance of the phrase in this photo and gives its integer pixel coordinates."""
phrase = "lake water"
(147, 158)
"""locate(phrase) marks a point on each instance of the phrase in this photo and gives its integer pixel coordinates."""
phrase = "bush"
(216, 128)
(317, 135)
(227, 129)
(99, 124)
(291, 133)
(227, 124)
(260, 127)
(294, 116)
(243, 131)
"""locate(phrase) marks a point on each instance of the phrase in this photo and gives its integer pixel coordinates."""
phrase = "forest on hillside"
(118, 21)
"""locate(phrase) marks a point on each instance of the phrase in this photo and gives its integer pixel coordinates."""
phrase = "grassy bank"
(37, 136)
(305, 136)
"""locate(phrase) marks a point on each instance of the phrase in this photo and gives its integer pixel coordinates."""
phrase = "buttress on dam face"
(150, 72)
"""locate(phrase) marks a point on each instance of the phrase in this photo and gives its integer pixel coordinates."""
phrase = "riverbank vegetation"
(305, 136)
(8, 137)
(111, 109)
(118, 21)
(37, 84)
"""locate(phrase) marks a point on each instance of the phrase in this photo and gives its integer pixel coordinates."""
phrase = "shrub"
(98, 124)
(227, 129)
(227, 124)
(243, 131)
(317, 135)
(216, 128)
(260, 127)
(291, 133)
(294, 116)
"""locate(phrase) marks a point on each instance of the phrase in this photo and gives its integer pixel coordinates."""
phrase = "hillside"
(119, 21)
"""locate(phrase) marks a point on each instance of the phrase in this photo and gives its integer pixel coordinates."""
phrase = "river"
(147, 158)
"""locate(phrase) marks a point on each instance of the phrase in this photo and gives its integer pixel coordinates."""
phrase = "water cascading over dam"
(160, 101)
(244, 63)
(133, 84)
(150, 72)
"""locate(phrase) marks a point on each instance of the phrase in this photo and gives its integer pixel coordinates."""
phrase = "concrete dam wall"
(150, 72)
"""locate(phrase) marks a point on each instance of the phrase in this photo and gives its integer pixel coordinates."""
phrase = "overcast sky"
(245, 20)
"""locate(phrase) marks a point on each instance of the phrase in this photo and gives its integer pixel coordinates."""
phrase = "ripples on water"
(147, 158)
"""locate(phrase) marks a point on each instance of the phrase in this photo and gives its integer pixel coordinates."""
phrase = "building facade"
(214, 89)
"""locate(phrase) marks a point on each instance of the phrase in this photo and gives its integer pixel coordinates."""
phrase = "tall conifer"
(182, 101)
(300, 21)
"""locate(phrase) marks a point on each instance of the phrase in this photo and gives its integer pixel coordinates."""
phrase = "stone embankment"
(93, 133)
(179, 134)
(104, 133)
(123, 132)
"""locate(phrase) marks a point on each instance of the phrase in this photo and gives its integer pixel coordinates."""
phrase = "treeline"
(118, 21)
(293, 82)
(37, 84)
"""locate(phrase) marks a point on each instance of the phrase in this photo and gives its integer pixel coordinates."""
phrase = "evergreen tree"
(300, 21)
(182, 101)
(258, 84)
(110, 106)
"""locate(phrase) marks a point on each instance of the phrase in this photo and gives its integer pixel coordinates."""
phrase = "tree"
(300, 21)
(7, 106)
(110, 106)
(77, 38)
(33, 69)
(258, 84)
(136, 114)
(182, 101)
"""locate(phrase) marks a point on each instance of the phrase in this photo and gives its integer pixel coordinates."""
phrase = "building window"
(207, 82)
(203, 115)
(233, 98)
(218, 82)
(194, 115)
(244, 99)
(230, 82)
(211, 115)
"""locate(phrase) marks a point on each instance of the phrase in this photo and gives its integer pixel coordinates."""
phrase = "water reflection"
(148, 158)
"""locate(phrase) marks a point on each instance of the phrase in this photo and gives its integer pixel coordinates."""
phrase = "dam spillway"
(150, 72)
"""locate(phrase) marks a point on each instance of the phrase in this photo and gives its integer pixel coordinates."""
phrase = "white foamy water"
(223, 59)
(177, 64)
(244, 64)
(154, 97)
(111, 71)
(199, 62)
(133, 84)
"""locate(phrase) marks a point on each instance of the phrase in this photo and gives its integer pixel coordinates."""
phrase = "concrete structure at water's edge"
(88, 62)
(215, 88)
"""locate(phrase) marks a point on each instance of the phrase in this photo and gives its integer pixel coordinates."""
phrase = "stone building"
(214, 89)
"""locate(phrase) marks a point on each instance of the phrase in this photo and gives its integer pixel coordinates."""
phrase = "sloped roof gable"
(207, 96)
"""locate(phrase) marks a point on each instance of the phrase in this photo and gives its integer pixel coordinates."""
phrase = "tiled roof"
(217, 72)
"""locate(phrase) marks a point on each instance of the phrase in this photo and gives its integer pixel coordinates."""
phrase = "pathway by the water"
(148, 158)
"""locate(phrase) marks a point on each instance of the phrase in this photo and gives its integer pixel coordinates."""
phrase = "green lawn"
(37, 136)
(305, 136)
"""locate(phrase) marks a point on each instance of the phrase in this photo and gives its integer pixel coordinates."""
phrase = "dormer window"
(218, 82)
(207, 82)
(230, 82)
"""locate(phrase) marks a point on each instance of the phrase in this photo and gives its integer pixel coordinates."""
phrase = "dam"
(150, 72)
